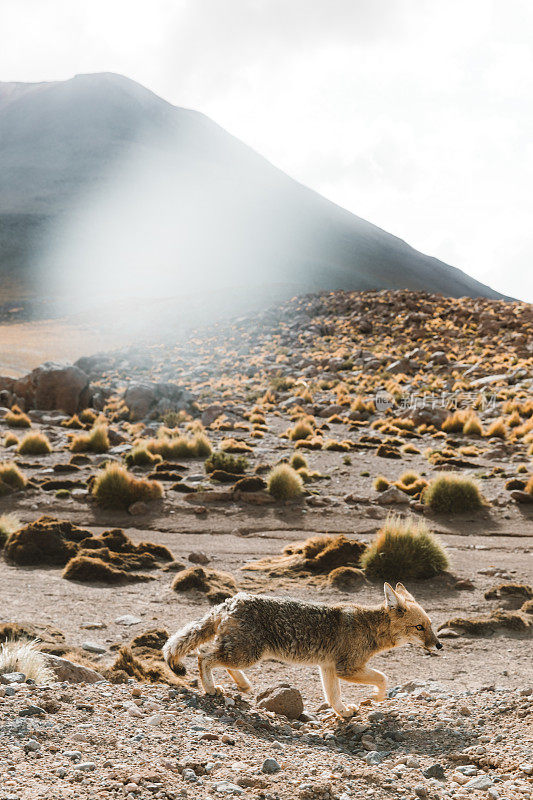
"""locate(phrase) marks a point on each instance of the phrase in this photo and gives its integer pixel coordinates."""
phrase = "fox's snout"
(439, 645)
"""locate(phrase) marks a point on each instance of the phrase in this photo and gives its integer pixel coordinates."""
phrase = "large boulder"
(70, 672)
(145, 399)
(50, 387)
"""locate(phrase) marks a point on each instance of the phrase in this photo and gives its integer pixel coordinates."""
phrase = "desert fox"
(338, 639)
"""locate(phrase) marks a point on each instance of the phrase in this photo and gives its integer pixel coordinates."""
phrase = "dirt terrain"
(251, 380)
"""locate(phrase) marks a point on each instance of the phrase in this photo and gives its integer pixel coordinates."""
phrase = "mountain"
(105, 183)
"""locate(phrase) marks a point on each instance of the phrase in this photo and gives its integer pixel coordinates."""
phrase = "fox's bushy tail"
(189, 638)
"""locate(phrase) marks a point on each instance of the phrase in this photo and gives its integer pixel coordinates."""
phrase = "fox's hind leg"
(206, 663)
(225, 653)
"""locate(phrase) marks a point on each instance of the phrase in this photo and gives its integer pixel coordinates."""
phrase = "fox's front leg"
(332, 692)
(365, 675)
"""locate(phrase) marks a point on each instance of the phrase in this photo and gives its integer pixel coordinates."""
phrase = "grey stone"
(270, 766)
(94, 647)
(13, 677)
(70, 672)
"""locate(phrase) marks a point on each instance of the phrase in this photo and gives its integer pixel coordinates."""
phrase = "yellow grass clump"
(96, 441)
(451, 493)
(34, 444)
(16, 418)
(140, 456)
(284, 483)
(11, 478)
(175, 447)
(115, 487)
(404, 550)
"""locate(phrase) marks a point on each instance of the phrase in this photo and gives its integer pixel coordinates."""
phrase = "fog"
(164, 222)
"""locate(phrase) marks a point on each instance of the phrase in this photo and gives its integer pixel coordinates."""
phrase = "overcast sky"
(414, 114)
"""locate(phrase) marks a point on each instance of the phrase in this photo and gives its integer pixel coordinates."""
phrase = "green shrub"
(235, 465)
(114, 487)
(404, 550)
(284, 483)
(451, 493)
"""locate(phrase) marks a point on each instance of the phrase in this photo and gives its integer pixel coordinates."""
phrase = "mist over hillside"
(109, 190)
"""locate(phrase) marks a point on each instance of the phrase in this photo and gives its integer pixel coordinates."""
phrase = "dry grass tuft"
(115, 487)
(34, 444)
(317, 555)
(46, 541)
(96, 441)
(404, 550)
(472, 426)
(16, 418)
(92, 569)
(284, 483)
(140, 456)
(217, 586)
(10, 440)
(11, 478)
(452, 494)
(381, 483)
(346, 579)
(23, 655)
(497, 428)
(303, 429)
(298, 461)
(175, 447)
(8, 525)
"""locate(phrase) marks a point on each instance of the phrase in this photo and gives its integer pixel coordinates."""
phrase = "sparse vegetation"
(404, 550)
(176, 447)
(96, 441)
(381, 483)
(11, 478)
(23, 655)
(16, 418)
(497, 428)
(298, 461)
(8, 525)
(303, 429)
(11, 440)
(451, 493)
(220, 460)
(140, 456)
(115, 487)
(472, 426)
(284, 483)
(34, 444)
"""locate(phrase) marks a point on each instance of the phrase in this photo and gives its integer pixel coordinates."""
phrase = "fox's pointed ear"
(392, 600)
(400, 589)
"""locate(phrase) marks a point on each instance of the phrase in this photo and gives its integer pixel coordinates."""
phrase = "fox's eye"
(419, 627)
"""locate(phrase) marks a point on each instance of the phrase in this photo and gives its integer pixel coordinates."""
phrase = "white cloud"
(414, 114)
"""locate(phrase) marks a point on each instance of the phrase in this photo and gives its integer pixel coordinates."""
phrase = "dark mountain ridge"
(98, 170)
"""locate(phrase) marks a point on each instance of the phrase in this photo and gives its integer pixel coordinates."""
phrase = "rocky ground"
(139, 741)
(378, 374)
